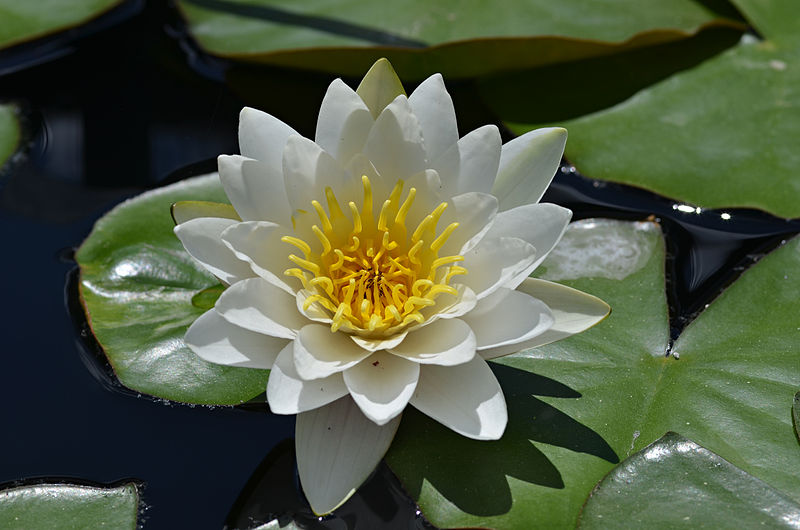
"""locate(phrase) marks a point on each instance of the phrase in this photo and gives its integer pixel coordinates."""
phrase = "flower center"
(374, 278)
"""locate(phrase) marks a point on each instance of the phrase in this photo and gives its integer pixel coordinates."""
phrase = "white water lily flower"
(380, 265)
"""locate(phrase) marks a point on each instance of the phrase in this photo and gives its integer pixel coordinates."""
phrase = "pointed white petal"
(394, 144)
(307, 171)
(262, 136)
(379, 87)
(541, 225)
(259, 244)
(573, 312)
(344, 122)
(257, 305)
(232, 180)
(337, 450)
(497, 262)
(216, 340)
(437, 117)
(474, 213)
(266, 192)
(508, 317)
(288, 393)
(318, 352)
(466, 398)
(471, 164)
(379, 344)
(202, 239)
(382, 385)
(527, 165)
(445, 342)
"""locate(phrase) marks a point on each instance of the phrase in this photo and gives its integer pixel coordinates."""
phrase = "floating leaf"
(611, 390)
(420, 38)
(9, 132)
(662, 486)
(796, 415)
(720, 135)
(141, 291)
(68, 507)
(24, 21)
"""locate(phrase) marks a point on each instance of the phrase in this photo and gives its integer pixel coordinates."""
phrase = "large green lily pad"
(137, 284)
(24, 21)
(720, 135)
(9, 132)
(68, 507)
(455, 38)
(662, 485)
(726, 385)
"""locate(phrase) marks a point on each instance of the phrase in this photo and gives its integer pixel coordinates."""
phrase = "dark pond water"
(130, 108)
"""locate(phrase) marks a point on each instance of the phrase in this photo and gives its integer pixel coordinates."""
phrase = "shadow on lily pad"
(474, 474)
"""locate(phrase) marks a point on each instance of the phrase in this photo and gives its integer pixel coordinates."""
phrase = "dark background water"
(133, 104)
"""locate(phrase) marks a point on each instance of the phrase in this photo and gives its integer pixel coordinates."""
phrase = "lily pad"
(9, 132)
(451, 37)
(796, 415)
(68, 507)
(662, 486)
(720, 135)
(138, 284)
(24, 21)
(612, 390)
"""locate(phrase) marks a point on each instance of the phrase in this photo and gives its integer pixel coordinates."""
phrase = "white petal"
(259, 244)
(315, 311)
(379, 87)
(257, 305)
(319, 352)
(266, 191)
(216, 340)
(263, 137)
(337, 449)
(573, 312)
(287, 393)
(379, 344)
(232, 180)
(394, 144)
(541, 225)
(433, 108)
(508, 317)
(527, 165)
(466, 398)
(474, 213)
(462, 303)
(382, 385)
(445, 342)
(471, 164)
(202, 239)
(495, 263)
(344, 122)
(307, 171)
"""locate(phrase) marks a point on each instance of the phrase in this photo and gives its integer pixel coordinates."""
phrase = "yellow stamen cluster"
(374, 278)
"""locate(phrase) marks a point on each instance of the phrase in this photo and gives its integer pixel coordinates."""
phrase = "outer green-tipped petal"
(262, 136)
(183, 211)
(259, 244)
(573, 311)
(202, 239)
(216, 340)
(344, 122)
(508, 317)
(394, 144)
(337, 449)
(319, 353)
(382, 385)
(288, 393)
(434, 109)
(445, 342)
(379, 87)
(466, 398)
(527, 165)
(259, 306)
(541, 225)
(471, 164)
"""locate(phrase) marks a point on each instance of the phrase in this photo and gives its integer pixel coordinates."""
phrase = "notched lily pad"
(141, 291)
(664, 484)
(68, 507)
(420, 38)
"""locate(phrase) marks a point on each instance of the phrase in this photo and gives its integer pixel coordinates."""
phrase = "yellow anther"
(426, 223)
(382, 218)
(400, 218)
(418, 301)
(438, 262)
(416, 289)
(326, 243)
(438, 289)
(308, 265)
(333, 205)
(354, 246)
(367, 208)
(388, 245)
(335, 266)
(297, 273)
(327, 283)
(440, 241)
(392, 311)
(299, 243)
(394, 197)
(412, 253)
(356, 218)
(323, 217)
(366, 309)
(374, 322)
(454, 271)
(437, 213)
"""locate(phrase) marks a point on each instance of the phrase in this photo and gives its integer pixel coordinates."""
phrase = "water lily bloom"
(380, 265)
